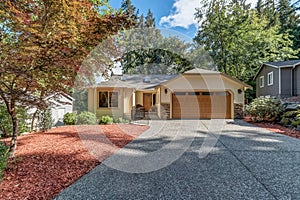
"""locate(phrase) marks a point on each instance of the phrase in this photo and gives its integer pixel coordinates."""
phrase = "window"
(207, 93)
(194, 93)
(108, 99)
(261, 81)
(179, 93)
(270, 78)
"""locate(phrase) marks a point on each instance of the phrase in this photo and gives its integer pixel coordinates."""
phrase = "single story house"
(197, 93)
(278, 79)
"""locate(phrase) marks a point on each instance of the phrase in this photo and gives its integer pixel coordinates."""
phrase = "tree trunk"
(13, 144)
(33, 119)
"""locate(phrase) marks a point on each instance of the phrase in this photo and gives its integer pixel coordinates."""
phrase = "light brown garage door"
(206, 105)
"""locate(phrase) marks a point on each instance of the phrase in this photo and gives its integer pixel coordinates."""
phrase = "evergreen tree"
(259, 7)
(150, 20)
(289, 21)
(130, 11)
(141, 22)
(268, 10)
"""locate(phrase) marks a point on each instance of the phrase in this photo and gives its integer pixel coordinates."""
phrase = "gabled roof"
(278, 65)
(151, 81)
(134, 81)
(198, 71)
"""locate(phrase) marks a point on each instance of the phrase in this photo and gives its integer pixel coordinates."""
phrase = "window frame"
(109, 95)
(262, 81)
(270, 74)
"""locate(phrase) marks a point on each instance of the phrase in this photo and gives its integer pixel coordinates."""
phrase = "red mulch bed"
(277, 128)
(46, 163)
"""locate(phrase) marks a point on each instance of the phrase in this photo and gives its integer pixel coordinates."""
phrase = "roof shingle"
(289, 63)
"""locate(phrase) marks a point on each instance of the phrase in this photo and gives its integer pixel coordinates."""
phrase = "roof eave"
(245, 86)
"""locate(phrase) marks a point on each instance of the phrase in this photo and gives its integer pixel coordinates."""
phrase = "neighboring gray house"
(279, 79)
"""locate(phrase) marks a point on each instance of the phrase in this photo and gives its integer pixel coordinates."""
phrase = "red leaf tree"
(42, 45)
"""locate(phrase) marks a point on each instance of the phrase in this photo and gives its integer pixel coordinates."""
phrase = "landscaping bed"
(46, 163)
(277, 128)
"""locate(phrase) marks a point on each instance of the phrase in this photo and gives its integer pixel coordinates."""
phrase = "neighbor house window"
(261, 81)
(270, 78)
(108, 99)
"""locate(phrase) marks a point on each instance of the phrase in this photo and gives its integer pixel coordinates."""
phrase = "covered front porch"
(127, 103)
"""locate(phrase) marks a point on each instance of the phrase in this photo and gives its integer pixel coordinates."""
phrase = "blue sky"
(177, 15)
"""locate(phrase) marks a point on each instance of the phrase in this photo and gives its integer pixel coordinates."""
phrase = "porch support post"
(95, 100)
(134, 98)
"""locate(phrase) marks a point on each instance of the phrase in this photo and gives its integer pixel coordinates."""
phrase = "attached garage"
(201, 104)
(202, 94)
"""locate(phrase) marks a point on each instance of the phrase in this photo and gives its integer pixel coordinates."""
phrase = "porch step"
(151, 116)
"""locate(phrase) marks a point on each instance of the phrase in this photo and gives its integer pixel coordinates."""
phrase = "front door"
(147, 101)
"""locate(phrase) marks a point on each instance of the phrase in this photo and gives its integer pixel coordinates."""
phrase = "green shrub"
(86, 118)
(296, 122)
(285, 121)
(291, 114)
(45, 120)
(6, 123)
(121, 120)
(265, 109)
(70, 119)
(3, 157)
(291, 118)
(106, 120)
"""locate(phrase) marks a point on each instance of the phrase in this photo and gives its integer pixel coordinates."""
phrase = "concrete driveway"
(183, 160)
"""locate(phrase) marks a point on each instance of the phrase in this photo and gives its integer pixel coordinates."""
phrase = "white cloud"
(183, 13)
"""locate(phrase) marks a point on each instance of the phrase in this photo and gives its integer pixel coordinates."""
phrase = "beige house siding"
(128, 100)
(91, 99)
(139, 98)
(209, 82)
(93, 102)
(165, 97)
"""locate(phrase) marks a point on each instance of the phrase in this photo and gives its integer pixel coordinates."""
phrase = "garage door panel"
(201, 105)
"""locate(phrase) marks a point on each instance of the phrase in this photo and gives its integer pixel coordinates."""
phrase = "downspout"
(292, 80)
